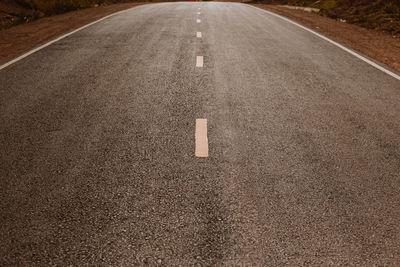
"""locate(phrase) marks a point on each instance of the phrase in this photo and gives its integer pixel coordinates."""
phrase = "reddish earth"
(22, 37)
(378, 45)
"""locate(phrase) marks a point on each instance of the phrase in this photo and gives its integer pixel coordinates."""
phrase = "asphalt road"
(97, 141)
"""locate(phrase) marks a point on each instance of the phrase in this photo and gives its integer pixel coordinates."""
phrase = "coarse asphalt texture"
(97, 160)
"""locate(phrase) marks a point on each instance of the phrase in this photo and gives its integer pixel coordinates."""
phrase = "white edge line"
(394, 75)
(5, 65)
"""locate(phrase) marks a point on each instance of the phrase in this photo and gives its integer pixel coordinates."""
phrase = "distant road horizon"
(208, 133)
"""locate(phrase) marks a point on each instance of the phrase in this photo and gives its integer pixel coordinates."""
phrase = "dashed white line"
(201, 139)
(198, 34)
(199, 61)
(198, 21)
(198, 13)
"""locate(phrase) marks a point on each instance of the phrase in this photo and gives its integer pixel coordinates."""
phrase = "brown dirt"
(379, 15)
(378, 45)
(12, 13)
(20, 38)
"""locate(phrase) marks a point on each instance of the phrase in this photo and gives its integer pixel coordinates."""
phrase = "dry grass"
(381, 15)
(14, 12)
(52, 7)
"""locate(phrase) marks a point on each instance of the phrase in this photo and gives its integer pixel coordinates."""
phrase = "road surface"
(98, 139)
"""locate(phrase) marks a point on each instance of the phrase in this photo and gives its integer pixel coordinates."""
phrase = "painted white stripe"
(198, 34)
(201, 138)
(198, 21)
(370, 62)
(58, 39)
(199, 61)
(198, 13)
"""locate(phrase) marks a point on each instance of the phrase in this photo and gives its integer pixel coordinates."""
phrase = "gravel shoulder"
(380, 46)
(20, 38)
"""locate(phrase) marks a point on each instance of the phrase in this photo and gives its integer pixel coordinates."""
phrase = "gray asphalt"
(97, 143)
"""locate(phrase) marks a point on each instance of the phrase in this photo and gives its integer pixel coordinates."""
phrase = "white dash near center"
(198, 13)
(199, 61)
(198, 34)
(201, 150)
(198, 21)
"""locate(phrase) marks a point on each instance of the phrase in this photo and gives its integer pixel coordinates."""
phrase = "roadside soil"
(22, 37)
(378, 45)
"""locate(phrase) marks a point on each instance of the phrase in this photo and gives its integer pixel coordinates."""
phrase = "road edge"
(343, 47)
(52, 41)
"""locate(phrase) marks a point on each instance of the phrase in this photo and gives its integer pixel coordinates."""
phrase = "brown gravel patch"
(380, 46)
(20, 38)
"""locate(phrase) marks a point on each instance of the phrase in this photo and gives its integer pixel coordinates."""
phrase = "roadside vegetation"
(53, 7)
(18, 11)
(381, 15)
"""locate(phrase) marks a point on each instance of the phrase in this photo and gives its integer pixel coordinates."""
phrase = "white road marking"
(5, 65)
(199, 61)
(198, 21)
(198, 13)
(201, 138)
(198, 34)
(366, 60)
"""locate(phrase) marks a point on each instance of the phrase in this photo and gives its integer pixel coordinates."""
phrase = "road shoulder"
(21, 38)
(377, 45)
